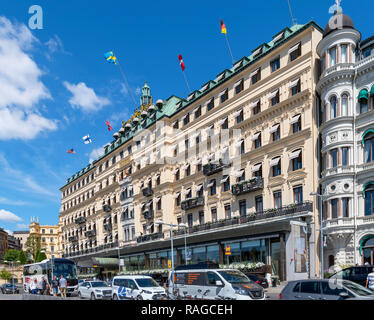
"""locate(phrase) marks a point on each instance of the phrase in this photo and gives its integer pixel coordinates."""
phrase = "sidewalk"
(273, 292)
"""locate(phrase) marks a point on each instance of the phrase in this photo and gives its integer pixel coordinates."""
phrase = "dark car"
(8, 288)
(258, 279)
(356, 274)
(331, 289)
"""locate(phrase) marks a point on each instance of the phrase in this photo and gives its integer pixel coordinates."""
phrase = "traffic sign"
(169, 264)
(227, 250)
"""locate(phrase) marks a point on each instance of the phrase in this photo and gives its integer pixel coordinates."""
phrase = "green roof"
(174, 104)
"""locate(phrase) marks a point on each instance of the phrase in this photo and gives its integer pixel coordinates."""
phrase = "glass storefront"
(246, 251)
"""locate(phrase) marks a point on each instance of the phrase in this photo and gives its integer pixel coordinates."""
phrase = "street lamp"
(172, 247)
(320, 228)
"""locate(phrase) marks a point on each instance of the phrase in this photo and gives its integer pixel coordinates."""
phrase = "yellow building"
(50, 238)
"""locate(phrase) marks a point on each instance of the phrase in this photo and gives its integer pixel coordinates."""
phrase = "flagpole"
(185, 78)
(228, 45)
(127, 84)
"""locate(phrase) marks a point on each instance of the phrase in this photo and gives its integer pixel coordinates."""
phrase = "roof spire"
(146, 98)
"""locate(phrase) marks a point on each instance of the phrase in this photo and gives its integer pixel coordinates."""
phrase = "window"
(213, 190)
(177, 175)
(239, 86)
(224, 95)
(240, 176)
(226, 184)
(259, 204)
(275, 98)
(186, 119)
(298, 194)
(344, 53)
(277, 199)
(256, 76)
(243, 208)
(295, 87)
(257, 170)
(369, 147)
(332, 54)
(296, 158)
(296, 124)
(176, 124)
(369, 200)
(186, 144)
(242, 148)
(190, 220)
(178, 200)
(198, 112)
(334, 158)
(200, 191)
(276, 166)
(345, 160)
(345, 205)
(201, 217)
(334, 208)
(214, 214)
(240, 117)
(210, 105)
(275, 64)
(228, 211)
(333, 107)
(344, 102)
(225, 124)
(275, 132)
(295, 52)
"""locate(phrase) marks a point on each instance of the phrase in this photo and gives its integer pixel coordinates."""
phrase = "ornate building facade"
(346, 92)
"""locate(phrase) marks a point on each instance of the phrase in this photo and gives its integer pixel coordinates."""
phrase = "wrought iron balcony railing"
(80, 220)
(247, 186)
(147, 192)
(214, 167)
(192, 203)
(150, 237)
(107, 208)
(148, 214)
(73, 239)
(108, 227)
(90, 233)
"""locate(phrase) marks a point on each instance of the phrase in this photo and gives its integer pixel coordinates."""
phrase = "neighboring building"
(14, 243)
(22, 237)
(50, 236)
(3, 243)
(235, 161)
(346, 89)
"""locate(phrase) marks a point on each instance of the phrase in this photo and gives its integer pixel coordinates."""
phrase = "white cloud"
(12, 202)
(20, 85)
(95, 153)
(124, 89)
(9, 232)
(22, 226)
(54, 45)
(8, 216)
(85, 97)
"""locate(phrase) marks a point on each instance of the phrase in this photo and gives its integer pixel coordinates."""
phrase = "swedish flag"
(110, 57)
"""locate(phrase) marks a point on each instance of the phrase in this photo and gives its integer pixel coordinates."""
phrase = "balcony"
(90, 233)
(108, 227)
(214, 167)
(107, 208)
(73, 239)
(80, 220)
(150, 237)
(147, 192)
(255, 216)
(247, 186)
(192, 203)
(148, 214)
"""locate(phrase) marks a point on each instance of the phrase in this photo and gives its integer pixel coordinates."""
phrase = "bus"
(42, 269)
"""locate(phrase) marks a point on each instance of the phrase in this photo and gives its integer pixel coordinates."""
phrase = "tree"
(22, 257)
(5, 275)
(40, 256)
(33, 245)
(11, 255)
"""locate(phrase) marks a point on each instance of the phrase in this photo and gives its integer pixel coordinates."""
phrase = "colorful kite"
(71, 151)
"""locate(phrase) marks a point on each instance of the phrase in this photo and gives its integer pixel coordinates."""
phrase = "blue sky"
(55, 86)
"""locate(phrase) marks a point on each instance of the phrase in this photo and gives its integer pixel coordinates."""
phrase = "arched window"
(368, 144)
(333, 107)
(363, 98)
(344, 101)
(369, 198)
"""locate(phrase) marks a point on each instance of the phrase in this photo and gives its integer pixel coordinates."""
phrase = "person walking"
(370, 280)
(34, 286)
(63, 286)
(44, 286)
(55, 286)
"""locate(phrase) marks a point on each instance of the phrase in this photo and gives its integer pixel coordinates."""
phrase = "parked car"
(258, 279)
(95, 290)
(318, 289)
(213, 283)
(8, 288)
(136, 287)
(356, 274)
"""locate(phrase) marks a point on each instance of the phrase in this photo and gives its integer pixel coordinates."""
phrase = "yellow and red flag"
(223, 27)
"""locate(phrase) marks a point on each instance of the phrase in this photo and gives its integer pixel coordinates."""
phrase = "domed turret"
(337, 22)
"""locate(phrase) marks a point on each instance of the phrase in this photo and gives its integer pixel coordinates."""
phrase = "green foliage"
(40, 256)
(5, 275)
(33, 246)
(22, 257)
(11, 255)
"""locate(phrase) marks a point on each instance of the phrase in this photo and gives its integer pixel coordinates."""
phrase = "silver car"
(95, 290)
(331, 289)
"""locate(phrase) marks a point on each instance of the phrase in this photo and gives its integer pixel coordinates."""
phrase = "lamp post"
(172, 247)
(320, 228)
(12, 263)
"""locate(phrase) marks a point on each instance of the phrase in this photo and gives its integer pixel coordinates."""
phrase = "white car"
(136, 288)
(95, 290)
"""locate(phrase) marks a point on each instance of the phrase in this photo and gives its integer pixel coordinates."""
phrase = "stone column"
(328, 209)
(338, 53)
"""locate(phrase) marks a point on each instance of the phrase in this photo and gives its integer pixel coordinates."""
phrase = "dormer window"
(278, 37)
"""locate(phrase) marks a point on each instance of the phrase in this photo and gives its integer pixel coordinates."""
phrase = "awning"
(254, 72)
(152, 107)
(149, 204)
(255, 53)
(255, 136)
(257, 167)
(173, 148)
(294, 83)
(191, 96)
(197, 108)
(142, 205)
(207, 102)
(175, 122)
(224, 150)
(177, 195)
(187, 191)
(175, 171)
(205, 87)
(135, 120)
(210, 127)
(157, 176)
(363, 95)
(363, 241)
(197, 162)
(221, 76)
(295, 119)
(294, 48)
(144, 113)
(211, 184)
(198, 188)
(367, 185)
(238, 82)
(365, 134)
(211, 156)
(184, 117)
(237, 113)
(222, 93)
(295, 154)
(239, 173)
(158, 199)
(224, 179)
(186, 166)
(274, 128)
(221, 122)
(278, 37)
(273, 94)
(274, 162)
(238, 64)
(254, 104)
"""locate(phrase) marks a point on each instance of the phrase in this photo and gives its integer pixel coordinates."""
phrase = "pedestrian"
(34, 286)
(55, 286)
(62, 283)
(47, 289)
(370, 280)
(44, 286)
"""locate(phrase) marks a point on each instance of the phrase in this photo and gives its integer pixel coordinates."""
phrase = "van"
(136, 288)
(214, 284)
